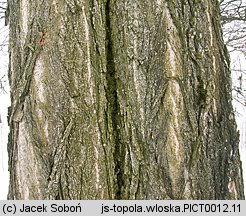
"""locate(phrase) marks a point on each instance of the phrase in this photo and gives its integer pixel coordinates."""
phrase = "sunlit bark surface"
(116, 99)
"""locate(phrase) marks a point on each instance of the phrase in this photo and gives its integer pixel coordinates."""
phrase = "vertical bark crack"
(113, 106)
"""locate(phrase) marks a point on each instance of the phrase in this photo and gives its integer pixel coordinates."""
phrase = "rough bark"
(116, 99)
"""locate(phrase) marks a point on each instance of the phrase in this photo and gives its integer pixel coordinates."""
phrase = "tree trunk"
(115, 99)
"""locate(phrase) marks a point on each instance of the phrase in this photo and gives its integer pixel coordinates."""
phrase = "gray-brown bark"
(120, 100)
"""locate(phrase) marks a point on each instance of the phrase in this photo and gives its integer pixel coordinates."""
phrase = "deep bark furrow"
(113, 105)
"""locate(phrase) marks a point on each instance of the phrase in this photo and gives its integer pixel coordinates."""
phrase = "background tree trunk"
(120, 100)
